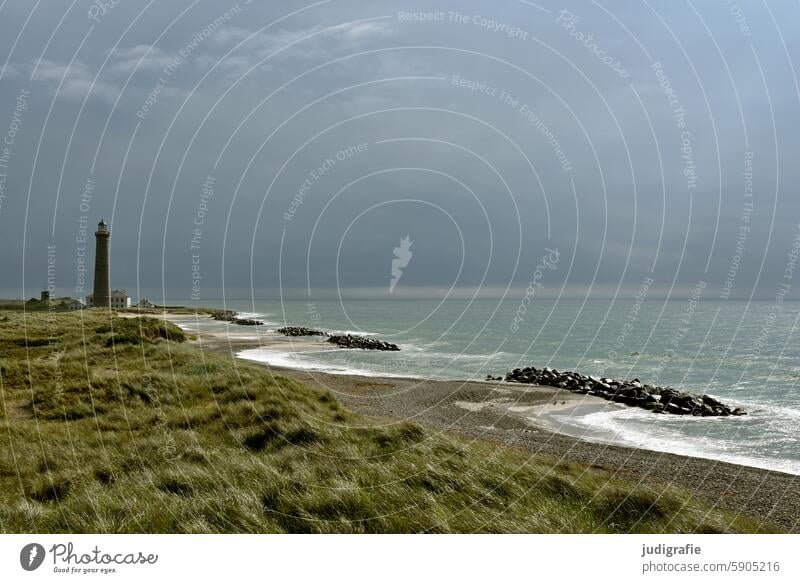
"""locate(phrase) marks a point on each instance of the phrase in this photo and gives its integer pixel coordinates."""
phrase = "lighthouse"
(102, 267)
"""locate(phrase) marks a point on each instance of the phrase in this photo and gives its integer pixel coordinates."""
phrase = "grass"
(36, 305)
(112, 424)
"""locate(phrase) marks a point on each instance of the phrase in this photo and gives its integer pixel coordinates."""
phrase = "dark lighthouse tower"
(101, 297)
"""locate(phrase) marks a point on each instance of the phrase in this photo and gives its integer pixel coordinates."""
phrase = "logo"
(31, 556)
(402, 255)
(100, 8)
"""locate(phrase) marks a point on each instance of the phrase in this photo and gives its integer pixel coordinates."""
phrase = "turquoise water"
(745, 353)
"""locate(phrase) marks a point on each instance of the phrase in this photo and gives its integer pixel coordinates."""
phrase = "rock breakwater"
(300, 331)
(351, 341)
(233, 318)
(633, 393)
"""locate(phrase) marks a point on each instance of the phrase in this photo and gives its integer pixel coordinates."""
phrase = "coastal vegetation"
(36, 304)
(124, 424)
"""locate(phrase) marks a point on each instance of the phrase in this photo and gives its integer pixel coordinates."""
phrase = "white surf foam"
(627, 427)
(305, 361)
(353, 333)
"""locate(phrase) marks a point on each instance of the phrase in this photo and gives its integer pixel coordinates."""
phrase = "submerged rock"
(633, 393)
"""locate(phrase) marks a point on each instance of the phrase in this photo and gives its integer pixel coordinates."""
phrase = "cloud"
(77, 80)
(230, 36)
(601, 203)
(139, 58)
(365, 30)
(313, 43)
(10, 71)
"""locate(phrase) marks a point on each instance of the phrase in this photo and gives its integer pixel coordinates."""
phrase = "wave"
(769, 409)
(303, 361)
(353, 333)
(253, 315)
(464, 356)
(422, 344)
(634, 428)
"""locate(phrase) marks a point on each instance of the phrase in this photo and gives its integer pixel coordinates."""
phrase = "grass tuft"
(51, 492)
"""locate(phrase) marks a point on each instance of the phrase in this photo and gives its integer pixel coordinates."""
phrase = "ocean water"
(745, 353)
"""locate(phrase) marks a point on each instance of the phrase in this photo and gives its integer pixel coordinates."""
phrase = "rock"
(232, 317)
(633, 393)
(247, 322)
(300, 331)
(224, 316)
(351, 341)
(710, 401)
(675, 410)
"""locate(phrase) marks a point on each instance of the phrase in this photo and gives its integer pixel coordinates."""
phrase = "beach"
(521, 417)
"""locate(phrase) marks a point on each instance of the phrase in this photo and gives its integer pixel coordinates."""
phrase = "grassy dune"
(110, 424)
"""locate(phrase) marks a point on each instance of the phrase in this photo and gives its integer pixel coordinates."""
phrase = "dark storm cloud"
(287, 145)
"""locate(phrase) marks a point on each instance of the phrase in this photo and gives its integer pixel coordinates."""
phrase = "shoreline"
(516, 415)
(235, 447)
(238, 342)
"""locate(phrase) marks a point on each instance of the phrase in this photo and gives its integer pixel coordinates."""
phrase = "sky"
(273, 148)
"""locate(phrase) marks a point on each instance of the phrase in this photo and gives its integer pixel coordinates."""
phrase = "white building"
(145, 303)
(119, 299)
(76, 305)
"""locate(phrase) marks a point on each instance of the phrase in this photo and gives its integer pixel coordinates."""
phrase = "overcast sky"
(281, 144)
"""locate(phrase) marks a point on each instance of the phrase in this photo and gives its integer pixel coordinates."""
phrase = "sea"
(745, 353)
